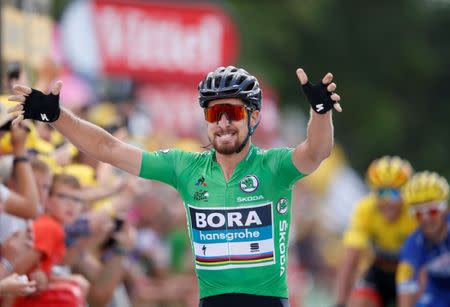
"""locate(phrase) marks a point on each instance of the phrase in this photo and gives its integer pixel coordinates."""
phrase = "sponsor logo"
(282, 246)
(201, 195)
(201, 182)
(230, 237)
(249, 198)
(249, 184)
(254, 247)
(282, 206)
(319, 107)
(44, 117)
(227, 220)
(164, 151)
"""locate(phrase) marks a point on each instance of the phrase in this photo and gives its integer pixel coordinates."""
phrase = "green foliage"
(390, 59)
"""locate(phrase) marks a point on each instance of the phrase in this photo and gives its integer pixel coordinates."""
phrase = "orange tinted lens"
(429, 212)
(232, 112)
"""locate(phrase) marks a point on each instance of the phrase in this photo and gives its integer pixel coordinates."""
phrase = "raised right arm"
(86, 136)
(98, 143)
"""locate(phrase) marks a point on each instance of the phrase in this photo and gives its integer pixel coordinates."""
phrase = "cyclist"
(237, 196)
(423, 275)
(380, 221)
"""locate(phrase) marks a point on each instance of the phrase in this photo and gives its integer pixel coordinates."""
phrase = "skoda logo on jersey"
(249, 184)
(282, 205)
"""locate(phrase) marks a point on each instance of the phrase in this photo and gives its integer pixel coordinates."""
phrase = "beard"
(227, 148)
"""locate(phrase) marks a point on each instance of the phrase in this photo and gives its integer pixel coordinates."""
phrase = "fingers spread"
(331, 87)
(328, 78)
(57, 88)
(302, 76)
(337, 107)
(17, 120)
(16, 108)
(22, 90)
(335, 97)
(18, 98)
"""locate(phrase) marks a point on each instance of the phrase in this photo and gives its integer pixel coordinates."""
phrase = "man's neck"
(228, 162)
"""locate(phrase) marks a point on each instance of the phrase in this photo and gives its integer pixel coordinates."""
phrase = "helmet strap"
(251, 130)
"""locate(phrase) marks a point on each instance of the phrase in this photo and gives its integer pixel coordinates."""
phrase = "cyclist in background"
(423, 275)
(380, 221)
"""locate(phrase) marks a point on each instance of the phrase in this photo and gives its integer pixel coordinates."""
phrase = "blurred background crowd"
(132, 67)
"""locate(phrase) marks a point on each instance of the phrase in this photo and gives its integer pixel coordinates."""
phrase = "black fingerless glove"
(41, 107)
(318, 97)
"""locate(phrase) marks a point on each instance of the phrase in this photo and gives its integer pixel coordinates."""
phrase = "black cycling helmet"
(230, 82)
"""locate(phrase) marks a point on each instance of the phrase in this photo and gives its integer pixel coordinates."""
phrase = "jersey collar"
(250, 154)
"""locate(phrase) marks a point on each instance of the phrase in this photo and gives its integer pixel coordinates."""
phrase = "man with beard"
(237, 196)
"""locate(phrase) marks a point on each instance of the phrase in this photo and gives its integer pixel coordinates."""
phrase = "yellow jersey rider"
(380, 221)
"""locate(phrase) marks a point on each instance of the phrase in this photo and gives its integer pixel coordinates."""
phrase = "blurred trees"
(391, 62)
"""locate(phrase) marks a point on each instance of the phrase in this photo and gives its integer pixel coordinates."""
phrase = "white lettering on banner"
(160, 43)
(112, 32)
(217, 220)
(282, 245)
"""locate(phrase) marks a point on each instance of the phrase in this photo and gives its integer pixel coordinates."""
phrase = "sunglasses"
(429, 210)
(234, 112)
(389, 194)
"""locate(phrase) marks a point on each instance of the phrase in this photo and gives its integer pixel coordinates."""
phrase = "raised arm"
(319, 141)
(24, 201)
(86, 136)
(98, 143)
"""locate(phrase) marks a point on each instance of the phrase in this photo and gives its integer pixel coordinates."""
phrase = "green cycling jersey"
(239, 228)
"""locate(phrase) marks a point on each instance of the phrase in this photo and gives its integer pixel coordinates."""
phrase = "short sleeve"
(167, 165)
(407, 275)
(280, 161)
(160, 165)
(358, 232)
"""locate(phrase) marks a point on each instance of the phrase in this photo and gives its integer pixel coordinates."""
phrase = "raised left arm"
(317, 147)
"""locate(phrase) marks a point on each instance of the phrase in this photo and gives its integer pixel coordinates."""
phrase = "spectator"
(22, 201)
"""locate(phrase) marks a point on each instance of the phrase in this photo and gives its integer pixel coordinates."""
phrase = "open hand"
(330, 87)
(27, 107)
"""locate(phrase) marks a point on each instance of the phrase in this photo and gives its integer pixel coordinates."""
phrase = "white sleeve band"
(408, 287)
